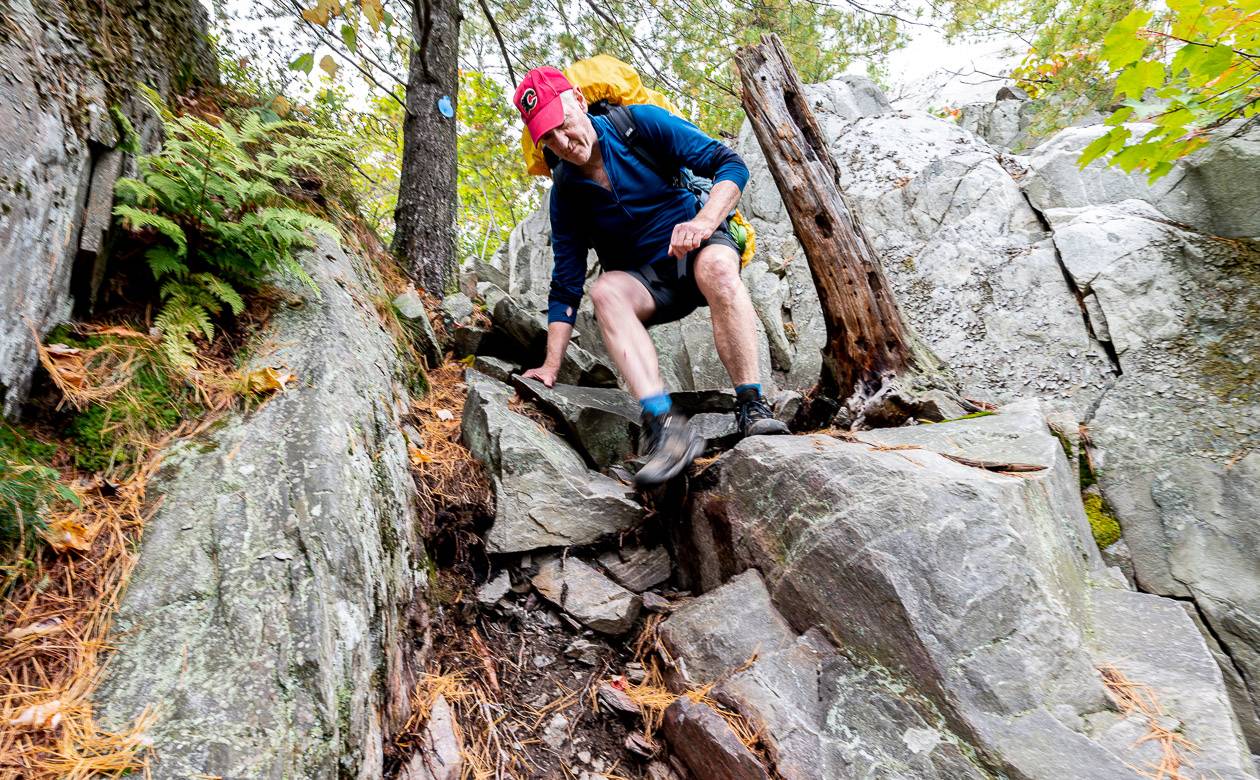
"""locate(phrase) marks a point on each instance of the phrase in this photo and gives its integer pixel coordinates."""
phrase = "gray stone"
(974, 585)
(1153, 642)
(707, 744)
(1003, 123)
(721, 630)
(495, 368)
(602, 421)
(1211, 190)
(458, 309)
(528, 329)
(596, 601)
(720, 430)
(638, 568)
(415, 318)
(440, 756)
(279, 591)
(493, 590)
(544, 494)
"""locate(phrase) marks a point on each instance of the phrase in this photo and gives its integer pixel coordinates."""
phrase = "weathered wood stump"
(876, 371)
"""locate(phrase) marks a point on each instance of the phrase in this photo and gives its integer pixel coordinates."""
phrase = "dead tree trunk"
(874, 367)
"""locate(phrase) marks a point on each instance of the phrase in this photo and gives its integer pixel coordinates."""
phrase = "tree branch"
(498, 36)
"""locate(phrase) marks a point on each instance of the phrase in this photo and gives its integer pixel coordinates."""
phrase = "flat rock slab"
(544, 494)
(603, 421)
(707, 744)
(596, 601)
(440, 756)
(638, 568)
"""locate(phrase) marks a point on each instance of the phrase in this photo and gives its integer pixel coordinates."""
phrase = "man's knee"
(717, 273)
(614, 292)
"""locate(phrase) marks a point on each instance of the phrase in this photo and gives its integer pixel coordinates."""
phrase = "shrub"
(223, 204)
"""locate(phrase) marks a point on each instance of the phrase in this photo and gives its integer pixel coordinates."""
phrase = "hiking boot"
(755, 418)
(672, 444)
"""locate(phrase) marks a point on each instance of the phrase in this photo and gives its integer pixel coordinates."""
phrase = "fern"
(218, 204)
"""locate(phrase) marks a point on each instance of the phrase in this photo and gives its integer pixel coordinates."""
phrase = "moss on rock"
(1102, 522)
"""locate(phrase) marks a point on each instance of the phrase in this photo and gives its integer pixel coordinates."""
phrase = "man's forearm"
(558, 334)
(722, 199)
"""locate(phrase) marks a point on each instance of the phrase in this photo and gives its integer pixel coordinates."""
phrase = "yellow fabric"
(600, 78)
(750, 243)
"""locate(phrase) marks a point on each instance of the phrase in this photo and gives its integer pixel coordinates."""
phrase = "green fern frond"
(138, 220)
(164, 262)
(134, 191)
(222, 291)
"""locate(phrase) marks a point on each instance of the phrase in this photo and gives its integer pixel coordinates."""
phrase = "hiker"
(661, 254)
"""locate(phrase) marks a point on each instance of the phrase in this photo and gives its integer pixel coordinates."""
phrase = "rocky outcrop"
(67, 68)
(1003, 122)
(277, 606)
(979, 590)
(544, 494)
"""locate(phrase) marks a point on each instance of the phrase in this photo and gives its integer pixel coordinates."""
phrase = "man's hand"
(690, 235)
(544, 373)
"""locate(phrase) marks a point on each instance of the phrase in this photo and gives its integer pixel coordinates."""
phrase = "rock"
(638, 568)
(440, 756)
(410, 306)
(528, 330)
(1003, 123)
(617, 700)
(59, 159)
(544, 494)
(818, 715)
(693, 402)
(495, 368)
(1209, 190)
(602, 421)
(596, 601)
(786, 404)
(1173, 438)
(977, 585)
(708, 746)
(583, 651)
(556, 734)
(721, 630)
(279, 592)
(654, 602)
(458, 309)
(490, 592)
(1154, 643)
(720, 430)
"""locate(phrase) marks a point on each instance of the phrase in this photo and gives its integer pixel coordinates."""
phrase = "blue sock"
(656, 405)
(751, 387)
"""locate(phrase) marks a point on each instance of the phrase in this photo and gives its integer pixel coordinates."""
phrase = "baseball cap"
(538, 99)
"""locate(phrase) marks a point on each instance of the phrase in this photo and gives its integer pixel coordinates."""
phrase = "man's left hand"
(688, 236)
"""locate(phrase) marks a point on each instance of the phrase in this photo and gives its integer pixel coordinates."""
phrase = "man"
(662, 255)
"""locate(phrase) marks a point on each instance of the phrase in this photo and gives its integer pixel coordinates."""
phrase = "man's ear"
(581, 99)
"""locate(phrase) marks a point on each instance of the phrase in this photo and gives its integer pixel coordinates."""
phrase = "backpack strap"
(623, 121)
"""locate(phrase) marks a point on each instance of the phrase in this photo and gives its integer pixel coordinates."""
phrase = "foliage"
(1187, 72)
(223, 205)
(495, 192)
(28, 488)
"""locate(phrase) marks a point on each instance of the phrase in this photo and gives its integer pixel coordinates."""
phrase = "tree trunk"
(874, 367)
(424, 220)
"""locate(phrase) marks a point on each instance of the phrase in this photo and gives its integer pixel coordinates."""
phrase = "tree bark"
(424, 219)
(874, 366)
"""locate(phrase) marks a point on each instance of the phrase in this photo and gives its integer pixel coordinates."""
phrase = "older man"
(661, 253)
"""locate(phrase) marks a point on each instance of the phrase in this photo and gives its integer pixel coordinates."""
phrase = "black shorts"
(676, 295)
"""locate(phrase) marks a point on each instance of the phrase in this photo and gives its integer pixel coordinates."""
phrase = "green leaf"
(1119, 116)
(1121, 45)
(1102, 145)
(350, 37)
(304, 63)
(1158, 171)
(1138, 77)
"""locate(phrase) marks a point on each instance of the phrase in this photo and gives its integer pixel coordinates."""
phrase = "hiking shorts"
(676, 295)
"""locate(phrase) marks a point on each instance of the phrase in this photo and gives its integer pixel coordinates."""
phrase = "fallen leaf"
(39, 716)
(418, 456)
(67, 534)
(267, 380)
(62, 349)
(42, 628)
(119, 330)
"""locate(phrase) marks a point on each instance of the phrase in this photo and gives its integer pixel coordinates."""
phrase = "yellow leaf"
(374, 12)
(317, 15)
(328, 65)
(42, 628)
(418, 456)
(66, 533)
(39, 716)
(267, 380)
(281, 105)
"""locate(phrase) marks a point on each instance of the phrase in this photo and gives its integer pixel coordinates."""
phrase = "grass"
(1102, 521)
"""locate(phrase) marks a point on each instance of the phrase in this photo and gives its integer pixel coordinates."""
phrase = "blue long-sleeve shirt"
(631, 225)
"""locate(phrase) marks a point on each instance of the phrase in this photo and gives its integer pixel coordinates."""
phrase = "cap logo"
(529, 100)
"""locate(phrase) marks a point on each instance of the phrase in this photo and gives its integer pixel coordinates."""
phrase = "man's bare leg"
(622, 304)
(730, 308)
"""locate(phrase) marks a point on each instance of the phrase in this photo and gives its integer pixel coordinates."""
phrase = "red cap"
(538, 100)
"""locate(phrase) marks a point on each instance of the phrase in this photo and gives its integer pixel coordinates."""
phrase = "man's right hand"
(544, 373)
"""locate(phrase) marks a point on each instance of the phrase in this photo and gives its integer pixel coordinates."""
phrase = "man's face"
(575, 138)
